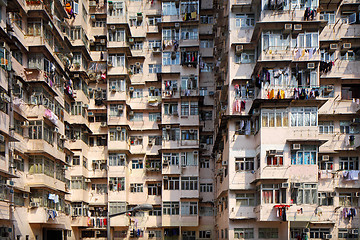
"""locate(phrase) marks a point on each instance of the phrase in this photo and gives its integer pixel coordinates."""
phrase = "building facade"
(287, 113)
(106, 105)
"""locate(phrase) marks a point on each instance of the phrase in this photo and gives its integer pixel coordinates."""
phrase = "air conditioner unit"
(10, 182)
(296, 146)
(297, 27)
(131, 89)
(112, 27)
(311, 65)
(177, 25)
(239, 49)
(138, 65)
(102, 41)
(328, 236)
(288, 27)
(131, 40)
(2, 138)
(284, 185)
(333, 46)
(347, 45)
(93, 17)
(120, 107)
(166, 177)
(296, 185)
(103, 124)
(118, 129)
(34, 204)
(202, 146)
(168, 127)
(224, 163)
(325, 157)
(90, 114)
(88, 180)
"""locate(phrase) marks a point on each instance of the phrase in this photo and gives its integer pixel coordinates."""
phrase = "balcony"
(189, 92)
(41, 215)
(36, 75)
(171, 169)
(170, 94)
(120, 221)
(171, 18)
(171, 220)
(154, 101)
(272, 173)
(40, 145)
(79, 221)
(288, 54)
(117, 70)
(242, 213)
(189, 221)
(4, 122)
(42, 180)
(118, 145)
(3, 79)
(171, 69)
(116, 20)
(79, 195)
(269, 16)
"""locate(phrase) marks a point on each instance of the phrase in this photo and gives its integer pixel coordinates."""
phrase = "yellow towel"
(282, 94)
(272, 93)
(193, 15)
(303, 53)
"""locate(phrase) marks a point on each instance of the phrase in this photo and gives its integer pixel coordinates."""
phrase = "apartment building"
(287, 119)
(106, 105)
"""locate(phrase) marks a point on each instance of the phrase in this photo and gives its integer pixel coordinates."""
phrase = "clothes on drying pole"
(348, 213)
(351, 175)
(309, 14)
(239, 106)
(189, 58)
(326, 67)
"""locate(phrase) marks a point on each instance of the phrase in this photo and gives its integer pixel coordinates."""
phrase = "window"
(137, 164)
(305, 194)
(171, 208)
(155, 212)
(189, 183)
(156, 140)
(136, 187)
(172, 183)
(189, 134)
(136, 69)
(172, 134)
(244, 20)
(115, 110)
(325, 199)
(118, 134)
(348, 233)
(301, 116)
(306, 155)
(245, 199)
(117, 60)
(348, 128)
(117, 184)
(326, 165)
(117, 9)
(117, 207)
(272, 193)
(154, 189)
(206, 211)
(268, 233)
(171, 158)
(189, 208)
(206, 187)
(204, 163)
(136, 117)
(207, 67)
(244, 164)
(274, 118)
(184, 108)
(78, 183)
(153, 21)
(245, 57)
(275, 160)
(169, 8)
(189, 159)
(76, 160)
(170, 108)
(327, 56)
(99, 188)
(189, 33)
(40, 130)
(34, 28)
(154, 43)
(117, 159)
(154, 68)
(41, 165)
(79, 209)
(349, 163)
(153, 117)
(188, 235)
(120, 234)
(206, 19)
(189, 7)
(170, 58)
(206, 43)
(117, 36)
(326, 127)
(348, 199)
(244, 233)
(205, 234)
(319, 232)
